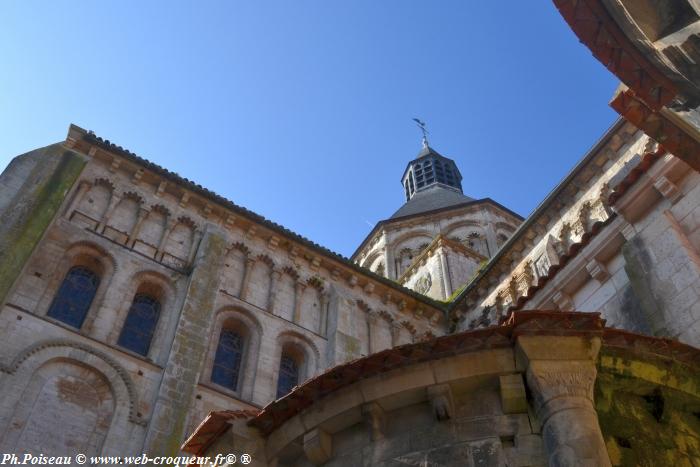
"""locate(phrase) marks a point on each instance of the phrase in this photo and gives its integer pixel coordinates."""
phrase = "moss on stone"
(648, 410)
(42, 201)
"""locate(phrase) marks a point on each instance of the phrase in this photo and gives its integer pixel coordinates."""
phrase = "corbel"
(184, 199)
(161, 188)
(563, 301)
(440, 396)
(597, 270)
(317, 446)
(668, 189)
(375, 420)
(136, 178)
(206, 211)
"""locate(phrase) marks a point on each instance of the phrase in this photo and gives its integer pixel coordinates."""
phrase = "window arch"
(241, 360)
(140, 324)
(74, 296)
(227, 361)
(288, 376)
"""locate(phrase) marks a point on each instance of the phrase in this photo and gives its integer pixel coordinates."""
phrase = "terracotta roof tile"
(213, 426)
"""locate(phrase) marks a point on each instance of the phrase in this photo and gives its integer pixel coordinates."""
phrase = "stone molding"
(47, 345)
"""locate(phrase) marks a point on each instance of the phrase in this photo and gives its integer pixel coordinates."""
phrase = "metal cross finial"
(422, 127)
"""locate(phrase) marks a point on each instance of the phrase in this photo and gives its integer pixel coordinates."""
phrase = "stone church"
(142, 313)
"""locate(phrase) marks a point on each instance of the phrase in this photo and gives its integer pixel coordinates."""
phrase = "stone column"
(323, 313)
(298, 294)
(196, 237)
(371, 317)
(249, 265)
(274, 283)
(143, 214)
(170, 225)
(83, 188)
(562, 387)
(113, 202)
(444, 268)
(390, 263)
(395, 329)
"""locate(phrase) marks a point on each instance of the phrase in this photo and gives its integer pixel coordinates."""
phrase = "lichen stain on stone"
(189, 352)
(644, 421)
(42, 202)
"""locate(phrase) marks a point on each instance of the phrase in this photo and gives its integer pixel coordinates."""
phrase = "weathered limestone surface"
(562, 386)
(32, 189)
(176, 392)
(84, 203)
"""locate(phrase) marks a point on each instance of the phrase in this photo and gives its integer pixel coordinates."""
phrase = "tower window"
(75, 296)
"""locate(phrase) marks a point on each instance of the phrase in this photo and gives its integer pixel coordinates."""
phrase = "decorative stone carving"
(562, 390)
(424, 283)
(441, 400)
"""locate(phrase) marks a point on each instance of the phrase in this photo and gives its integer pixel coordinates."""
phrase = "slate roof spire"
(431, 181)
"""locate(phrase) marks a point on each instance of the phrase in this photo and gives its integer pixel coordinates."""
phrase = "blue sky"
(301, 111)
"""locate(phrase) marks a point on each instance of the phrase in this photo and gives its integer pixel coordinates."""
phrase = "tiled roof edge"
(92, 138)
(619, 123)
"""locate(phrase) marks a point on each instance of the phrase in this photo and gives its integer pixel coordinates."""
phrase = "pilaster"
(184, 362)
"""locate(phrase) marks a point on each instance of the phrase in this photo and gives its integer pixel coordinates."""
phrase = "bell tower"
(430, 169)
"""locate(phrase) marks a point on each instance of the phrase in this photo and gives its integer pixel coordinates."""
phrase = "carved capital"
(557, 385)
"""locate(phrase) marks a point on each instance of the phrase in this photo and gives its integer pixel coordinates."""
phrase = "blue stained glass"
(140, 324)
(75, 296)
(288, 376)
(227, 361)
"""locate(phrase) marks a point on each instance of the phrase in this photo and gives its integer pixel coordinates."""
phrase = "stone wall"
(399, 245)
(620, 237)
(545, 388)
(212, 265)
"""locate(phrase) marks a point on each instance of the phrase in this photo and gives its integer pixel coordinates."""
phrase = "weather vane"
(422, 127)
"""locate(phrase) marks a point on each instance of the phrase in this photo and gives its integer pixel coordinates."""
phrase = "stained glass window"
(74, 297)
(140, 324)
(288, 376)
(227, 362)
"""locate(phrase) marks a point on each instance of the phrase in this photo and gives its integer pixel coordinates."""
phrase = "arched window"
(288, 375)
(140, 324)
(227, 362)
(75, 296)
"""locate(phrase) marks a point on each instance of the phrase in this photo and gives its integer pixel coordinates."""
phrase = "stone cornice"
(540, 222)
(518, 325)
(217, 209)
